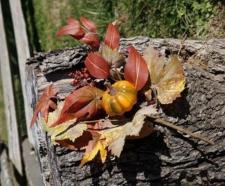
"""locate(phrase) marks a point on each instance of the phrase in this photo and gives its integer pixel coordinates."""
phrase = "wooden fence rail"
(20, 152)
(23, 52)
(9, 98)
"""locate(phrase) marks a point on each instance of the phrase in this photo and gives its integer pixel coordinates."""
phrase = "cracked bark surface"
(165, 157)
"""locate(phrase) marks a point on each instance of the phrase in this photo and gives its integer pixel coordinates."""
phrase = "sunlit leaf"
(94, 146)
(112, 37)
(167, 76)
(97, 65)
(52, 117)
(44, 103)
(115, 137)
(112, 56)
(71, 133)
(136, 69)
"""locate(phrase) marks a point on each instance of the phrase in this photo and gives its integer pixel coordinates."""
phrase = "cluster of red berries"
(81, 78)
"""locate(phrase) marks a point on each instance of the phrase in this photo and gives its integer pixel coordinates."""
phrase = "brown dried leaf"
(167, 76)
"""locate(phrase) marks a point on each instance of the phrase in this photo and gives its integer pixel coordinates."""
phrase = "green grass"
(162, 18)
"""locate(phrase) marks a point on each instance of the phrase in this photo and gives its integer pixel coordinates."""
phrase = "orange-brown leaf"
(81, 104)
(97, 65)
(136, 69)
(44, 103)
(112, 37)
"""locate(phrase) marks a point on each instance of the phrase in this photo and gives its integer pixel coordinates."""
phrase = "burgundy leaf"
(136, 69)
(97, 65)
(112, 37)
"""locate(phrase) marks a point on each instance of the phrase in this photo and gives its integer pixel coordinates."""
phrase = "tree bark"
(164, 158)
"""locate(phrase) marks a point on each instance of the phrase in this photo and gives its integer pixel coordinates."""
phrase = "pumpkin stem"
(112, 91)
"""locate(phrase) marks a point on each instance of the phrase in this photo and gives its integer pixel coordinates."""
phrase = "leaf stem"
(180, 129)
(117, 73)
(94, 121)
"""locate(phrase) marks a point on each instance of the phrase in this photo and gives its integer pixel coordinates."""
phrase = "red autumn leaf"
(97, 65)
(136, 69)
(83, 30)
(91, 39)
(112, 37)
(72, 21)
(89, 25)
(83, 103)
(72, 28)
(44, 104)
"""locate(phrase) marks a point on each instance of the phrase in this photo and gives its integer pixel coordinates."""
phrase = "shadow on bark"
(139, 162)
(180, 108)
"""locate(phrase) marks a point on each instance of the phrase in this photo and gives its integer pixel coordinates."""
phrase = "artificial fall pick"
(98, 118)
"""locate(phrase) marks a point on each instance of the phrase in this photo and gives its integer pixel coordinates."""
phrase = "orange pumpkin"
(119, 98)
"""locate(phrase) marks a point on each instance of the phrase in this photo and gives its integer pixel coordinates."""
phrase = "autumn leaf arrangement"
(121, 91)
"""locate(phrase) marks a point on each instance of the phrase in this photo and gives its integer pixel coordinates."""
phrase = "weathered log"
(164, 158)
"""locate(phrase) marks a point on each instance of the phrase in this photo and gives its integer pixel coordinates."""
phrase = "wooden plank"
(7, 177)
(23, 52)
(12, 125)
(31, 165)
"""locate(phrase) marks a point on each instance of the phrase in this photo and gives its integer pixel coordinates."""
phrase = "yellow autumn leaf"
(66, 130)
(94, 146)
(114, 138)
(167, 76)
(71, 133)
(52, 117)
